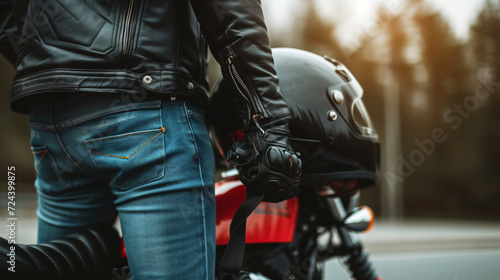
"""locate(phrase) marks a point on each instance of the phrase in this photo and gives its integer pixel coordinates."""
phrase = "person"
(116, 92)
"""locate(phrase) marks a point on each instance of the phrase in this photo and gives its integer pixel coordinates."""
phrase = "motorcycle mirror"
(359, 219)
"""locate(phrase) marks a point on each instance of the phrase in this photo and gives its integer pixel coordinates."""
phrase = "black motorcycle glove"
(267, 163)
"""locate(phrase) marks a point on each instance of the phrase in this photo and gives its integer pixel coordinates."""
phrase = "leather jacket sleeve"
(8, 31)
(237, 36)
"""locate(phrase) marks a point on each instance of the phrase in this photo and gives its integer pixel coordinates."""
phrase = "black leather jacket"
(135, 46)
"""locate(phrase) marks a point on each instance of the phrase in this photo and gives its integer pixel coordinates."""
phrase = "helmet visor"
(362, 119)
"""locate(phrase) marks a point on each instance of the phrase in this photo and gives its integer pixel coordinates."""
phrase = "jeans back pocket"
(132, 158)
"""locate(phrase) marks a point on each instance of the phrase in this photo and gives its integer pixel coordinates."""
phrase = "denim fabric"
(150, 161)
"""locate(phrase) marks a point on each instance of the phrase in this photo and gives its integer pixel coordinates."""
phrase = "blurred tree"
(453, 179)
(442, 57)
(317, 35)
(442, 78)
(485, 40)
(485, 46)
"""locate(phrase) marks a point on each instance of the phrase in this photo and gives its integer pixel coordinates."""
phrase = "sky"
(358, 16)
(461, 13)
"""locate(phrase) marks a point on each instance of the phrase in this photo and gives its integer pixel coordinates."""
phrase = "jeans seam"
(124, 135)
(195, 114)
(63, 147)
(41, 126)
(191, 131)
(204, 232)
(40, 161)
(193, 137)
(127, 157)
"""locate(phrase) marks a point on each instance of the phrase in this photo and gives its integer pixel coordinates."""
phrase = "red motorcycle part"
(269, 223)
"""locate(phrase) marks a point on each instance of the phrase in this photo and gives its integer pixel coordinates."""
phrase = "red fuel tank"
(269, 223)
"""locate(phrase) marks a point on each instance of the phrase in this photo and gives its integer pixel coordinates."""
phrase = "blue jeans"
(150, 161)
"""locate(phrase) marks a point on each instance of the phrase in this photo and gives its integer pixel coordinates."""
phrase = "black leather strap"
(233, 255)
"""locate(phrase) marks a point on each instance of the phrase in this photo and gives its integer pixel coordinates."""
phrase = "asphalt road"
(450, 264)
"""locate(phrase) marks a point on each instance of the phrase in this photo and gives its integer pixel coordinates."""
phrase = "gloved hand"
(267, 163)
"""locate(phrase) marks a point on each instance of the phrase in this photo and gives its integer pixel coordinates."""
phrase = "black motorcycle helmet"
(330, 128)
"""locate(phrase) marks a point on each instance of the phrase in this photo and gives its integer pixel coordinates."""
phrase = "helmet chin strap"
(232, 259)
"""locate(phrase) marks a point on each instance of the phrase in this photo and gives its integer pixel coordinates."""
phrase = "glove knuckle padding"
(267, 163)
(275, 158)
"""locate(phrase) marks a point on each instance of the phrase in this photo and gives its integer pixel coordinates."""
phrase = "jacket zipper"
(128, 29)
(252, 101)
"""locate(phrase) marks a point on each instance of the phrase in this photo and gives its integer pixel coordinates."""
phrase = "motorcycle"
(289, 240)
(292, 239)
(332, 134)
